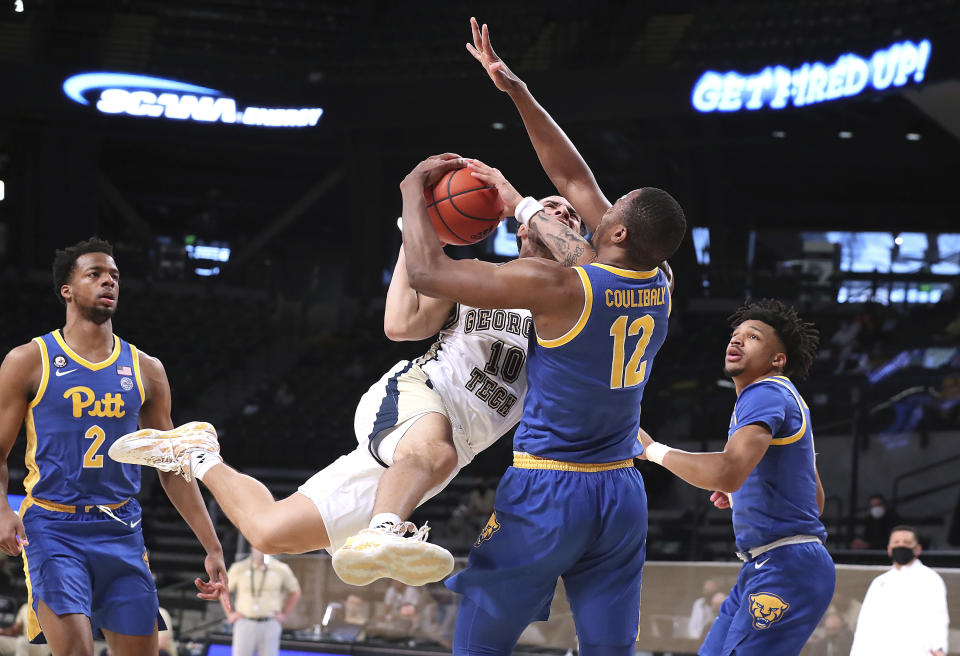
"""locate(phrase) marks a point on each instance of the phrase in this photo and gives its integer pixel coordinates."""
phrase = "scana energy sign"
(156, 97)
(778, 86)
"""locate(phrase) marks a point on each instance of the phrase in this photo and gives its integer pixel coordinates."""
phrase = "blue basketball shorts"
(587, 527)
(776, 604)
(90, 563)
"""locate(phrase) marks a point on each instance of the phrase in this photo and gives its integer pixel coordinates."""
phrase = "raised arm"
(558, 156)
(551, 292)
(565, 244)
(185, 497)
(408, 314)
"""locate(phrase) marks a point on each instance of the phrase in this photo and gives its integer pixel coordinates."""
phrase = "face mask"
(902, 555)
(877, 512)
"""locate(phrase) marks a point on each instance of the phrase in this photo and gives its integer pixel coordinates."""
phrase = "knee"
(439, 458)
(445, 462)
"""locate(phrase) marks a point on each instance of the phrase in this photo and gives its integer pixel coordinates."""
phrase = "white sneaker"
(166, 450)
(398, 552)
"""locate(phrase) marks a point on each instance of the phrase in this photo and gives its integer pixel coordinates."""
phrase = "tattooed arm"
(565, 243)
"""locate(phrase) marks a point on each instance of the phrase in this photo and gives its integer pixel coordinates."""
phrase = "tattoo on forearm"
(564, 243)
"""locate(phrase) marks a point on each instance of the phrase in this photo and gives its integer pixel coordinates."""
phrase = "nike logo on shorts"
(759, 565)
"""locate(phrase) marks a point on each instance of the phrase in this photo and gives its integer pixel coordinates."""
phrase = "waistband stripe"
(529, 461)
(53, 506)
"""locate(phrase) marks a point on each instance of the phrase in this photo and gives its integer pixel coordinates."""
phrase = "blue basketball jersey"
(583, 398)
(779, 497)
(80, 409)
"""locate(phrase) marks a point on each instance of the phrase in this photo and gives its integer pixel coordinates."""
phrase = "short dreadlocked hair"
(798, 336)
(65, 261)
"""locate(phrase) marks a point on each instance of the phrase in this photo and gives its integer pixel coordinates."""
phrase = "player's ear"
(619, 234)
(779, 360)
(66, 292)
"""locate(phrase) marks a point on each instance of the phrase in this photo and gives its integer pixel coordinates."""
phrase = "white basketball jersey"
(478, 367)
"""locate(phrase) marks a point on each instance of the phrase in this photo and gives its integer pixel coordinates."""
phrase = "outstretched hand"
(482, 51)
(491, 176)
(216, 587)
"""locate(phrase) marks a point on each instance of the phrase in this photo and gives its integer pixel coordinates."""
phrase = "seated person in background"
(356, 609)
(701, 615)
(480, 501)
(13, 640)
(877, 526)
(716, 601)
(168, 646)
(836, 641)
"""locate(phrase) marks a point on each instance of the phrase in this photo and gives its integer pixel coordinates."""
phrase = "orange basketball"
(463, 209)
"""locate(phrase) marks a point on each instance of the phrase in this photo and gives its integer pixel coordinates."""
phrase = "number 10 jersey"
(477, 366)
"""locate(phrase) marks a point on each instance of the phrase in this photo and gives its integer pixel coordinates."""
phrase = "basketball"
(463, 209)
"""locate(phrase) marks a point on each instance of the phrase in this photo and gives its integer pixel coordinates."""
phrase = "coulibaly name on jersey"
(630, 298)
(512, 322)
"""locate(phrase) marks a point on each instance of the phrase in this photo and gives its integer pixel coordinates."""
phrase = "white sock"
(203, 461)
(384, 518)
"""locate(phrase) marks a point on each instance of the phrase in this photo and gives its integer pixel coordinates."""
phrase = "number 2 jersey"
(586, 386)
(79, 410)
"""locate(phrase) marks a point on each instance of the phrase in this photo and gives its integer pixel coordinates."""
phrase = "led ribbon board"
(777, 86)
(156, 97)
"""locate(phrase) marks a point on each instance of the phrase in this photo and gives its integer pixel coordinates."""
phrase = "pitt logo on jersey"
(111, 405)
(492, 527)
(766, 609)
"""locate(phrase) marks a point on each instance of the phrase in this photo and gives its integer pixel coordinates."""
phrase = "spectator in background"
(165, 640)
(905, 610)
(13, 640)
(266, 592)
(397, 596)
(846, 607)
(356, 610)
(702, 615)
(716, 601)
(836, 641)
(480, 501)
(878, 524)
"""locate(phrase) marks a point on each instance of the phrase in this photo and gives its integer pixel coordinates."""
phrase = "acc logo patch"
(59, 362)
(492, 527)
(766, 609)
(126, 384)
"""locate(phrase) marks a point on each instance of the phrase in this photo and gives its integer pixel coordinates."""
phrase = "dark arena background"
(256, 245)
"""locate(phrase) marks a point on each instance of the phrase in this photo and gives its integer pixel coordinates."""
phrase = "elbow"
(395, 331)
(392, 328)
(731, 478)
(422, 279)
(416, 275)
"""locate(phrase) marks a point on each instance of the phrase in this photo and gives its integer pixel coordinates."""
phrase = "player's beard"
(99, 315)
(731, 372)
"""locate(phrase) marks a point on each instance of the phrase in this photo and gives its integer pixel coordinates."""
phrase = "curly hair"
(65, 261)
(800, 337)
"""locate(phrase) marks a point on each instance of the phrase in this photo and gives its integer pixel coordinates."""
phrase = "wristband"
(656, 451)
(526, 209)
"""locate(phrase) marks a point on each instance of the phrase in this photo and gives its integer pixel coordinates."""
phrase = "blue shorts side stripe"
(387, 414)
